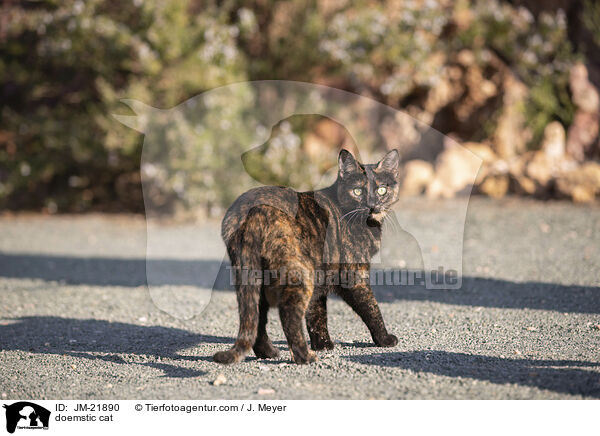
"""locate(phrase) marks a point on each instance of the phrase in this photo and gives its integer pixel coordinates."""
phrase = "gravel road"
(77, 321)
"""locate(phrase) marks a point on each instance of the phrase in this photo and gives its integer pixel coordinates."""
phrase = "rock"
(456, 169)
(331, 133)
(221, 379)
(400, 130)
(489, 159)
(511, 135)
(478, 91)
(582, 194)
(419, 114)
(553, 144)
(417, 175)
(545, 227)
(581, 184)
(495, 186)
(534, 173)
(591, 173)
(584, 94)
(266, 391)
(325, 138)
(444, 92)
(314, 146)
(539, 169)
(582, 134)
(583, 131)
(523, 185)
(484, 151)
(463, 16)
(520, 183)
(465, 57)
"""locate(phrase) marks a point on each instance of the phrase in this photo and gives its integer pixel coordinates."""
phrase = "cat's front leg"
(360, 298)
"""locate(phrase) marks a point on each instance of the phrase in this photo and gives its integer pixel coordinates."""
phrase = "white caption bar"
(157, 417)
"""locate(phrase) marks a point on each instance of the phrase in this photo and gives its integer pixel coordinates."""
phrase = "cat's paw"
(318, 344)
(226, 357)
(387, 341)
(303, 358)
(265, 350)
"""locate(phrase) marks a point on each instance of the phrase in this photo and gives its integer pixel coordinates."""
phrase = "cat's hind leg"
(316, 323)
(292, 309)
(248, 296)
(263, 347)
(248, 308)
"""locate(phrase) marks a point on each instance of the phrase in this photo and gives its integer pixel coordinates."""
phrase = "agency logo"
(26, 415)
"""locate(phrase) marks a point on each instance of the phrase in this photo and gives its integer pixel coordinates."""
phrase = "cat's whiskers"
(385, 225)
(393, 224)
(364, 214)
(353, 217)
(353, 214)
(353, 210)
(346, 214)
(396, 224)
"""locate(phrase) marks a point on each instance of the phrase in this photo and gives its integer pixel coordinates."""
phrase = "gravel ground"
(77, 321)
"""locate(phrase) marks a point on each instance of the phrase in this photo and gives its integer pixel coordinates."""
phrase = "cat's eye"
(357, 191)
(382, 190)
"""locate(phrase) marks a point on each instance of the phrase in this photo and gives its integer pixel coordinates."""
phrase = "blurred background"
(516, 82)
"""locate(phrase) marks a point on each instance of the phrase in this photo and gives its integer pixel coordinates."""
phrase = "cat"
(336, 230)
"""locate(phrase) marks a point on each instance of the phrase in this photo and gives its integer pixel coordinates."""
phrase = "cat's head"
(371, 189)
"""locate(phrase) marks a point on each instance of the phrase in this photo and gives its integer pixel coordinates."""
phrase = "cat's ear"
(390, 162)
(347, 163)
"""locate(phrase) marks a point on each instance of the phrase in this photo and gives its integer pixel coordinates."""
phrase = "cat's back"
(282, 198)
(311, 212)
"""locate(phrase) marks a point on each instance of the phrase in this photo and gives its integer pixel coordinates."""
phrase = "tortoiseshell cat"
(336, 230)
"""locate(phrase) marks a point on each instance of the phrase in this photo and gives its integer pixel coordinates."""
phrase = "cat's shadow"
(117, 342)
(565, 376)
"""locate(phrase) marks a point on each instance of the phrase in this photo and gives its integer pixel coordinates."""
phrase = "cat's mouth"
(375, 217)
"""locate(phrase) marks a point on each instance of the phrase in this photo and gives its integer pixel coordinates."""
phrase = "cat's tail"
(248, 287)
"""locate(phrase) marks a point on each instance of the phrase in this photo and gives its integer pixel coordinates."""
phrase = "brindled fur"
(334, 230)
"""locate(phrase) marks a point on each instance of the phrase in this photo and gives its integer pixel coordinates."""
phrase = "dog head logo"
(212, 142)
(26, 415)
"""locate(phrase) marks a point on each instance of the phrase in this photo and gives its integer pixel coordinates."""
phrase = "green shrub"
(65, 65)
